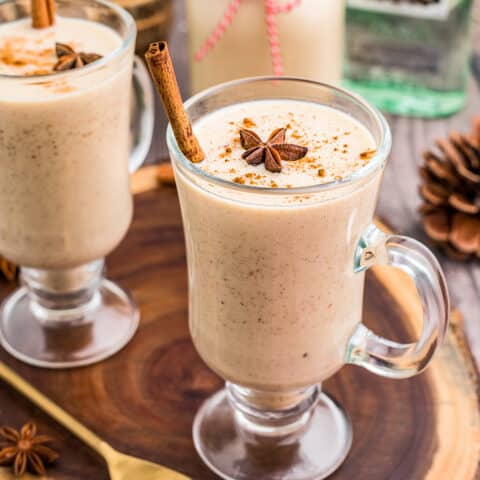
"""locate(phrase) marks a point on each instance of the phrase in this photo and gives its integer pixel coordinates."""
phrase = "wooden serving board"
(143, 400)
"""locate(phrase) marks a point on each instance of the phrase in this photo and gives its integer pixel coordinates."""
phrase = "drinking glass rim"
(375, 163)
(131, 31)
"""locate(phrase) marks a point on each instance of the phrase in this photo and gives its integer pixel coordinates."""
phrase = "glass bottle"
(409, 57)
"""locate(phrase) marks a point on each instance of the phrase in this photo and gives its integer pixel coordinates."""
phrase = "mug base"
(313, 452)
(99, 333)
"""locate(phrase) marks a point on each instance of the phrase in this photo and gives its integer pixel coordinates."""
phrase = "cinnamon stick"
(8, 269)
(165, 174)
(43, 13)
(161, 69)
(152, 177)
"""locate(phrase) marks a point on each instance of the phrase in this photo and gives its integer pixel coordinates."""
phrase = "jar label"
(438, 10)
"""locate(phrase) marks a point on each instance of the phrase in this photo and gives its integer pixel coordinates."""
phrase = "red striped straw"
(272, 9)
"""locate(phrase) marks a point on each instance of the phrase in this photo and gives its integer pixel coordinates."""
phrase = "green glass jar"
(409, 57)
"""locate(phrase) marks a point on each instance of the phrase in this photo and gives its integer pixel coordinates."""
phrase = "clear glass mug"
(66, 151)
(275, 297)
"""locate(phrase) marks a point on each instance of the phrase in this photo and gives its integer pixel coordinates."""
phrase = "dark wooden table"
(143, 399)
(399, 197)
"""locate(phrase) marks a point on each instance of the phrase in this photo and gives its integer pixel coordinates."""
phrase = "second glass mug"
(276, 292)
(65, 199)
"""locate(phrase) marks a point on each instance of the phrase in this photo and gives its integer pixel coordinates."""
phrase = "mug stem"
(272, 414)
(244, 434)
(61, 297)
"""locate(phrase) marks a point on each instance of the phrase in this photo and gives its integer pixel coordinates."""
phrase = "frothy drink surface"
(64, 185)
(273, 294)
(28, 51)
(337, 144)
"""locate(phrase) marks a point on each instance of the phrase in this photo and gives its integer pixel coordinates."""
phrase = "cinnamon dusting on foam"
(30, 52)
(337, 144)
(22, 56)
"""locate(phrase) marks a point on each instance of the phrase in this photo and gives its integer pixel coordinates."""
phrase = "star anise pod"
(24, 450)
(271, 152)
(69, 59)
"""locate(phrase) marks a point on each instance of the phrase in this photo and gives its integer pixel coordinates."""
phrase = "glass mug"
(276, 292)
(65, 199)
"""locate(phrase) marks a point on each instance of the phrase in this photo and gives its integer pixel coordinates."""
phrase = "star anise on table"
(69, 59)
(271, 152)
(24, 450)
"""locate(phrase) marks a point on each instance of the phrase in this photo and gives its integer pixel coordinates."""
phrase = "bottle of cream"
(241, 38)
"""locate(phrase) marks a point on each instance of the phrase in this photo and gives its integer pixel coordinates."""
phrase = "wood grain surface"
(143, 399)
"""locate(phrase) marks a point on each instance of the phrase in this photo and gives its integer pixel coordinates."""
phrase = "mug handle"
(385, 357)
(145, 106)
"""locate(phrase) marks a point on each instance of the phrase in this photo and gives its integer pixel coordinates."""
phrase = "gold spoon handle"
(60, 415)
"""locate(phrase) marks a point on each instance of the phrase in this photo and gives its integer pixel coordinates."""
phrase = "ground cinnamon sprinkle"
(332, 152)
(300, 198)
(13, 53)
(226, 152)
(248, 123)
(61, 87)
(36, 73)
(367, 155)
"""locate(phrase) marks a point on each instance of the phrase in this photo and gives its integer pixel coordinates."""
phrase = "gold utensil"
(120, 466)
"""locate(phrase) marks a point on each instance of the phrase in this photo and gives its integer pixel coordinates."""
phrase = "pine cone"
(451, 193)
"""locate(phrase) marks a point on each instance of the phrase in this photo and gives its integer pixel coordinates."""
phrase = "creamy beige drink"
(273, 294)
(279, 231)
(64, 187)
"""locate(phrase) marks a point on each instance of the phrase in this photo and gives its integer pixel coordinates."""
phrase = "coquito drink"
(278, 227)
(64, 146)
(65, 155)
(274, 297)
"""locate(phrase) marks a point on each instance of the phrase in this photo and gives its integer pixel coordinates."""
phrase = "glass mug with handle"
(66, 151)
(276, 292)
